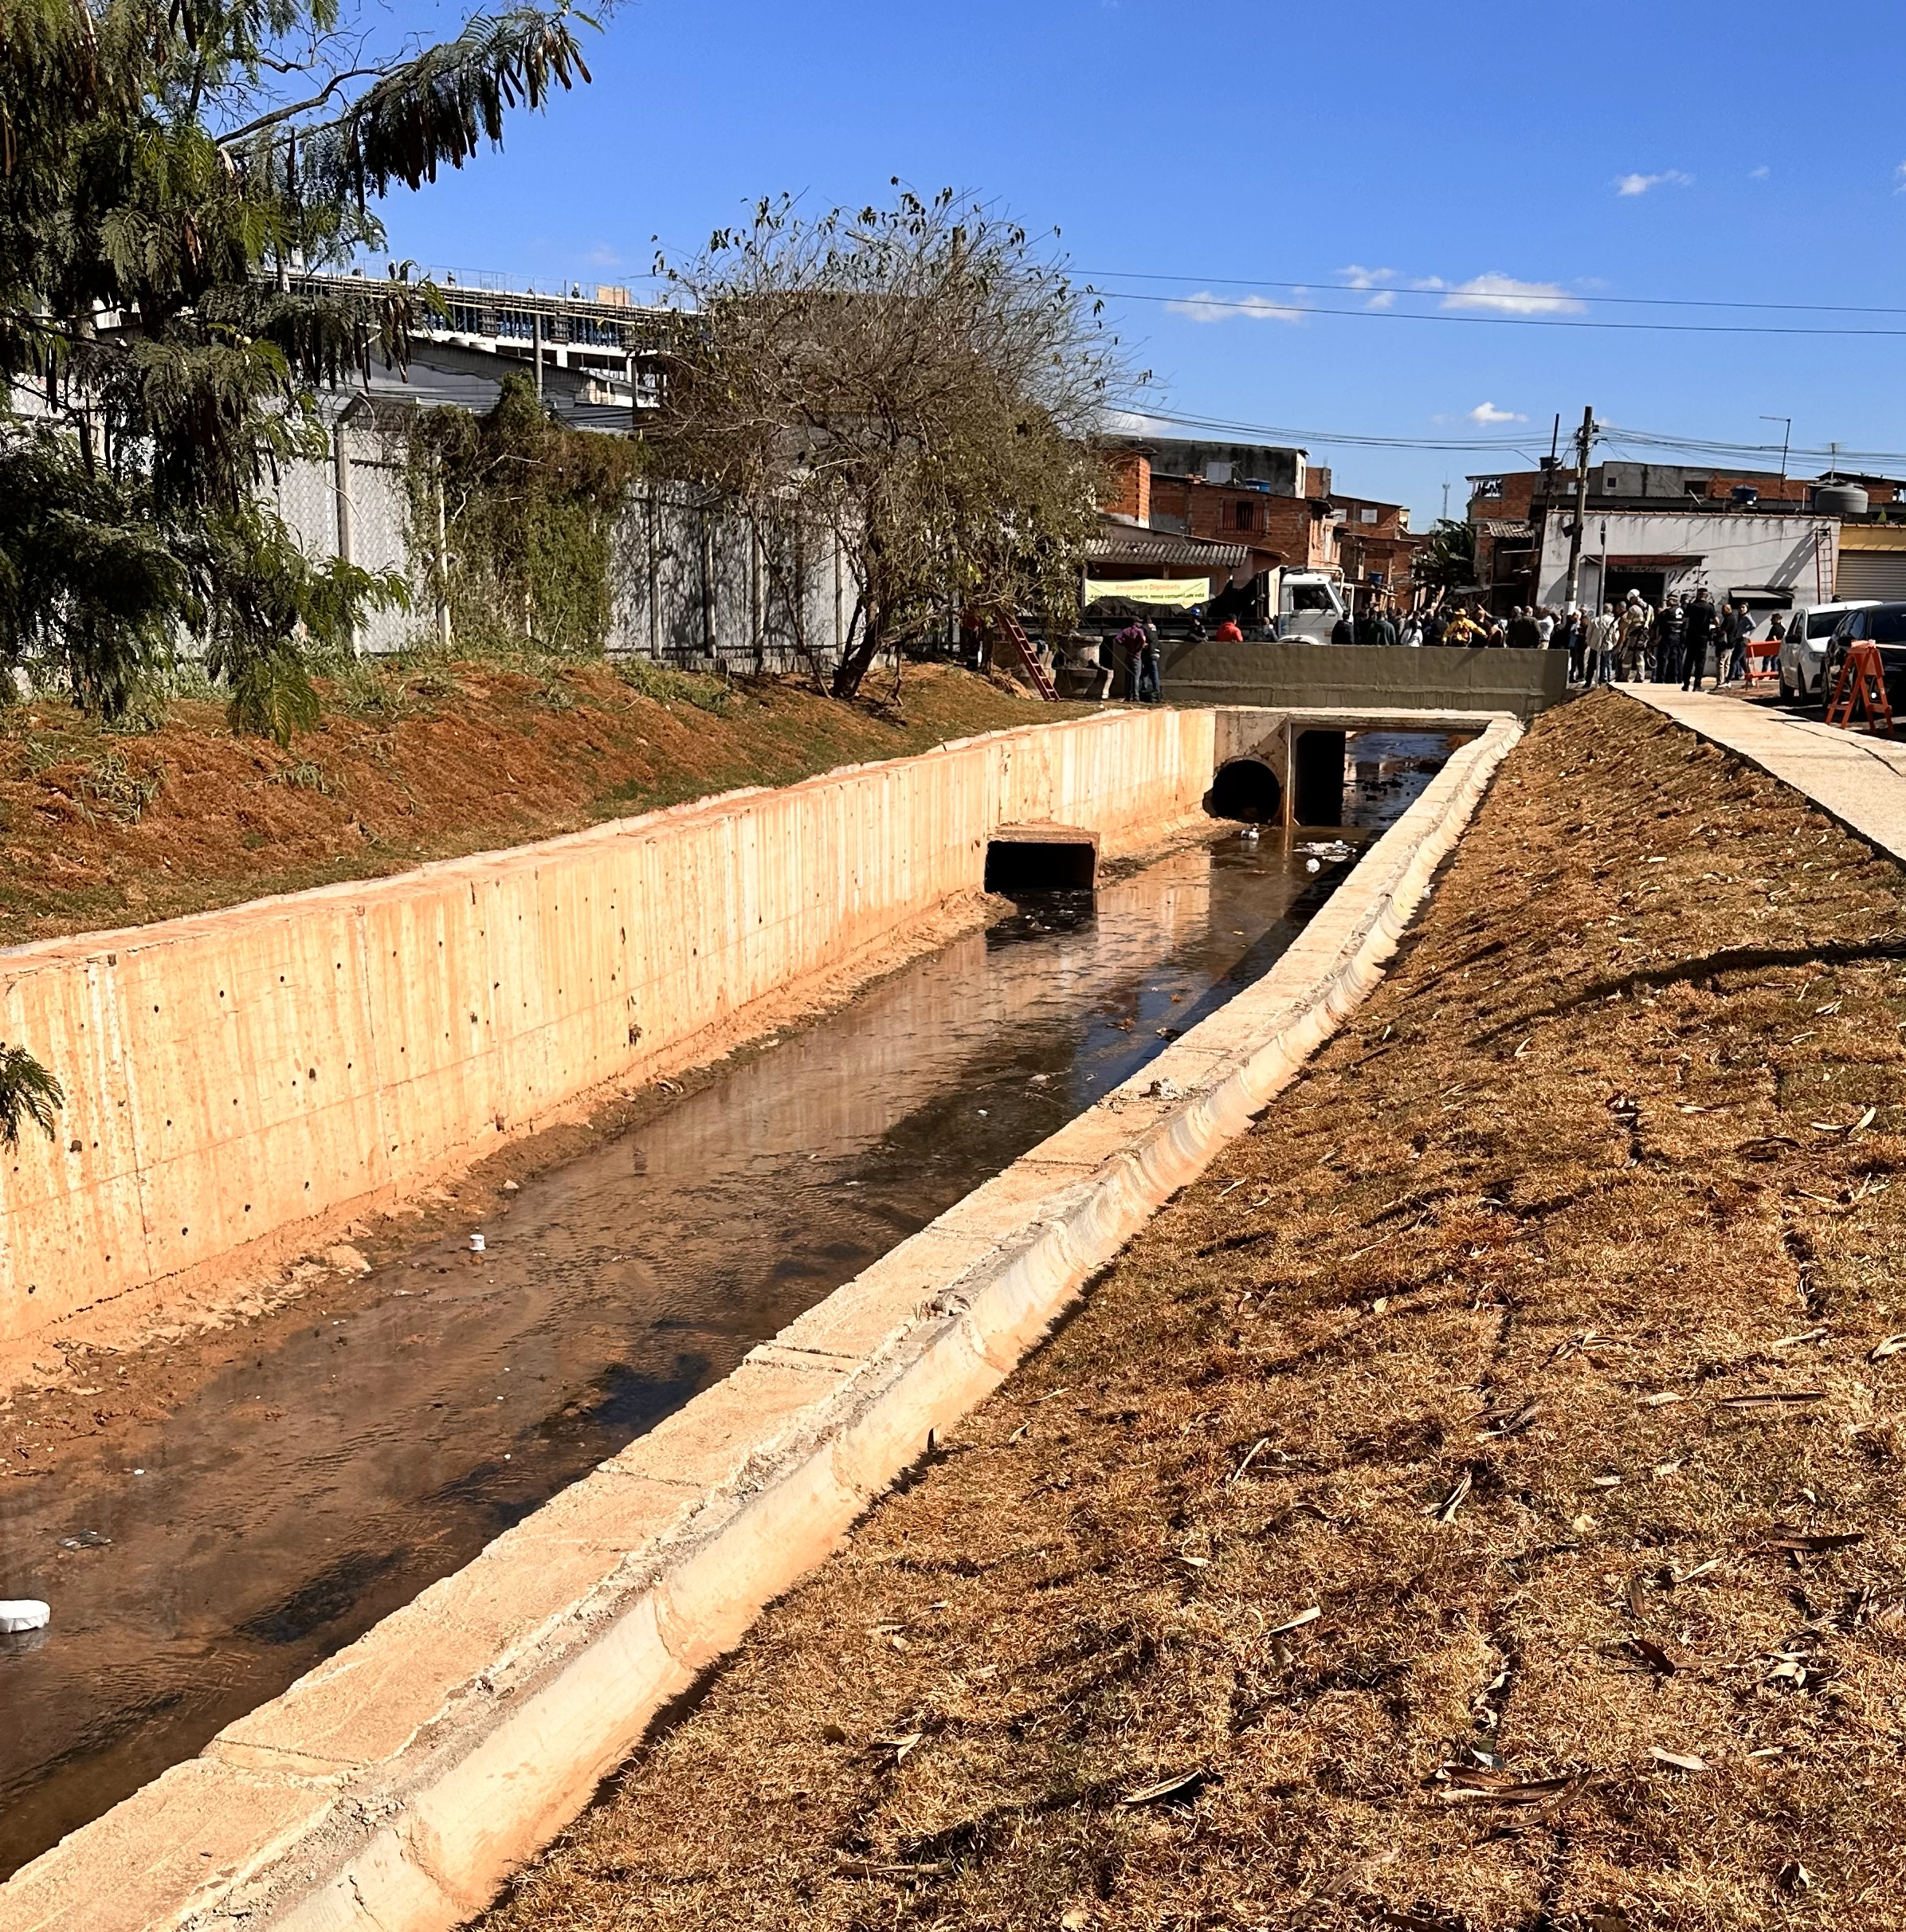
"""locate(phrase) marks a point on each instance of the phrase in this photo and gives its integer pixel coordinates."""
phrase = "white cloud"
(1499, 294)
(1899, 175)
(1206, 307)
(1640, 184)
(1357, 277)
(1760, 173)
(1384, 298)
(1486, 412)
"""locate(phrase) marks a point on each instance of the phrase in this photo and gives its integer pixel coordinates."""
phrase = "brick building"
(1271, 500)
(1377, 549)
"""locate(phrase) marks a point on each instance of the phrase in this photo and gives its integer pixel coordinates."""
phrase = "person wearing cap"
(1638, 625)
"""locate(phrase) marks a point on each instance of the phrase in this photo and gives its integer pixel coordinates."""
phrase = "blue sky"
(1446, 143)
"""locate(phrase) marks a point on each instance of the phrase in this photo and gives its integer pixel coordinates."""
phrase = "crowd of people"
(1689, 637)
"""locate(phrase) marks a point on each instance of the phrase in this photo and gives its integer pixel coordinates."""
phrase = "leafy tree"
(167, 169)
(916, 380)
(1449, 558)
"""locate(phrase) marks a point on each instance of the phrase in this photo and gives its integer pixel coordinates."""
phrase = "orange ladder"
(1041, 679)
(1862, 680)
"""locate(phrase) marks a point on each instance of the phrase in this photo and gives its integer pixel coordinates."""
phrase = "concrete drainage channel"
(394, 1786)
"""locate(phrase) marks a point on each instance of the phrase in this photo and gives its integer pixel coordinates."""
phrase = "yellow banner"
(1180, 593)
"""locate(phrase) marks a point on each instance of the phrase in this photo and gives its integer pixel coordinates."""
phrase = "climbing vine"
(529, 511)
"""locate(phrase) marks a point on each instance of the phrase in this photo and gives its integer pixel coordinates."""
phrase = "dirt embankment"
(411, 763)
(1476, 1505)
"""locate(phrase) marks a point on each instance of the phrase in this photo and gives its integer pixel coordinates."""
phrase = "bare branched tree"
(919, 382)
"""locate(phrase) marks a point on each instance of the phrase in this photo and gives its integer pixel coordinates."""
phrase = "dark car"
(1884, 624)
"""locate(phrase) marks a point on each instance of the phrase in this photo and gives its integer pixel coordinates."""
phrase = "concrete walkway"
(1859, 779)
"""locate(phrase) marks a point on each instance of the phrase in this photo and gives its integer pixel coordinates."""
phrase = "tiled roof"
(1129, 543)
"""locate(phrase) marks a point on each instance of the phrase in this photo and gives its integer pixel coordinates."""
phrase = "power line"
(1474, 445)
(1568, 322)
(1652, 440)
(1534, 294)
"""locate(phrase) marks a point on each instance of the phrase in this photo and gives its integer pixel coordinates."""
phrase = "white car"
(1803, 650)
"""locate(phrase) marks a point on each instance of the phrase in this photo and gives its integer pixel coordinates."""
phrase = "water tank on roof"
(1839, 500)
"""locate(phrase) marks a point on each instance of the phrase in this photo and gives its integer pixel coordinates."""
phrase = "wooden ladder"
(1041, 679)
(1862, 681)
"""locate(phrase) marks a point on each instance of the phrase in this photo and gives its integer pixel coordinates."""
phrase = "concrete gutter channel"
(395, 1787)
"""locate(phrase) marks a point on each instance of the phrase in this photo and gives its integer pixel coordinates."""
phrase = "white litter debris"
(477, 1246)
(1332, 849)
(1313, 865)
(23, 1613)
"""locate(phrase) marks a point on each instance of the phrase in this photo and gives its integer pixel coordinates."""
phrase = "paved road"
(1859, 779)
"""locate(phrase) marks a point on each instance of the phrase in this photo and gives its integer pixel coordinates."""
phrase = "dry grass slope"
(412, 762)
(1480, 1492)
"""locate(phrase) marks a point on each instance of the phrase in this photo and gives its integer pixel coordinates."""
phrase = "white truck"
(1308, 604)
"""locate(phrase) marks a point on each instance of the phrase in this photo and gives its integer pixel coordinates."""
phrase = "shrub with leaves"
(530, 512)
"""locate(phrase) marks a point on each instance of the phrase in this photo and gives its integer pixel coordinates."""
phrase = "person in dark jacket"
(1342, 632)
(1148, 666)
(1570, 636)
(1524, 634)
(1740, 631)
(1670, 641)
(1129, 645)
(1699, 635)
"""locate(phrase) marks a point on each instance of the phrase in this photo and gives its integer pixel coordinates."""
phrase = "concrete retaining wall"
(243, 1076)
(392, 1788)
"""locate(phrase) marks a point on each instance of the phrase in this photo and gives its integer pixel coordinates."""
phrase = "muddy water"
(198, 1563)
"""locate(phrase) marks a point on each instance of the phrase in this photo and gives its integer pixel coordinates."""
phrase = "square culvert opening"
(1043, 859)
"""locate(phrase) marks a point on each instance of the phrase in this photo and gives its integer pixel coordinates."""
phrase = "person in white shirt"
(1545, 626)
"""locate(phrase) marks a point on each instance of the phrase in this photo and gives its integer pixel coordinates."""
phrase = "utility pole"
(1786, 438)
(340, 463)
(1574, 537)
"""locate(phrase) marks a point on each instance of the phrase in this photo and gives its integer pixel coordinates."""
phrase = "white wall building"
(1787, 559)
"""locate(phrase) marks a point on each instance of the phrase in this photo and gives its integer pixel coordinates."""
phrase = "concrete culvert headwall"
(1246, 789)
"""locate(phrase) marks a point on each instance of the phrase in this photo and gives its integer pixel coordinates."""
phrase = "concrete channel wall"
(392, 1788)
(242, 1077)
